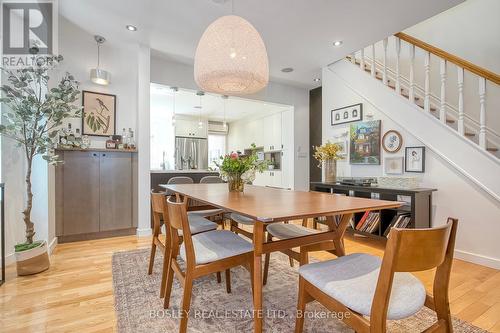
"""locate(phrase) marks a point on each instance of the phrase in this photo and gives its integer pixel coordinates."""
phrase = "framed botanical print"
(392, 141)
(347, 114)
(99, 114)
(365, 142)
(415, 159)
(394, 165)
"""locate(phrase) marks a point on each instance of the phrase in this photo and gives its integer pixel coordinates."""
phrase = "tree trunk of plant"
(30, 228)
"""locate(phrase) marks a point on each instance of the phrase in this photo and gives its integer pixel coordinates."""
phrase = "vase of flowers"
(327, 155)
(238, 169)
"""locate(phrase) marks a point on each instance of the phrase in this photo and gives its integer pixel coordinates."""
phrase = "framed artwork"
(347, 114)
(415, 159)
(392, 141)
(365, 143)
(393, 165)
(99, 114)
(344, 145)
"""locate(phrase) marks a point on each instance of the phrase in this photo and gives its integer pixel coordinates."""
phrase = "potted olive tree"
(32, 116)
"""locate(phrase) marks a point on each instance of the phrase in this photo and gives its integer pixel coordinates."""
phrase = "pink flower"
(234, 156)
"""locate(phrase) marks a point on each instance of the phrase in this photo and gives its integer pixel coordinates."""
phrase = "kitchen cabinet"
(274, 178)
(94, 194)
(190, 128)
(272, 132)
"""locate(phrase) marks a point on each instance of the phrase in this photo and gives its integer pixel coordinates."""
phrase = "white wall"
(167, 72)
(458, 197)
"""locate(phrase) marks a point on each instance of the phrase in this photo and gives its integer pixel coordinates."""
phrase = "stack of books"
(400, 220)
(370, 222)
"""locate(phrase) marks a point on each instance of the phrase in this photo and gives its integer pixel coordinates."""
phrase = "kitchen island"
(162, 176)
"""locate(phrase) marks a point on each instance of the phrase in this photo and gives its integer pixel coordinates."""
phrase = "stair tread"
(492, 149)
(469, 134)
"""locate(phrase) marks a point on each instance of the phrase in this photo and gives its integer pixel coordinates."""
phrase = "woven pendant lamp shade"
(231, 58)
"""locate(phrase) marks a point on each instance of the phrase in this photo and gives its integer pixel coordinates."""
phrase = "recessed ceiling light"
(338, 43)
(287, 70)
(317, 79)
(131, 27)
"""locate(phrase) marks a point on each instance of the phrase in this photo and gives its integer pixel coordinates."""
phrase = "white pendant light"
(98, 75)
(174, 90)
(200, 123)
(224, 123)
(231, 58)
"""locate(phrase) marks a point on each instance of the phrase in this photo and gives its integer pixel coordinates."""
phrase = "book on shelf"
(372, 222)
(400, 220)
(362, 220)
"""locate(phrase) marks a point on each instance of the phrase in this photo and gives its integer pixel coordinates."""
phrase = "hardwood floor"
(76, 293)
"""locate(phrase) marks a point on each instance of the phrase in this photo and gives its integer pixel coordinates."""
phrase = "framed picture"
(347, 114)
(344, 144)
(415, 159)
(99, 114)
(392, 141)
(393, 165)
(365, 142)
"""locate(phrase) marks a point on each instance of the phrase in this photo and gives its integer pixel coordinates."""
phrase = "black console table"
(418, 206)
(2, 230)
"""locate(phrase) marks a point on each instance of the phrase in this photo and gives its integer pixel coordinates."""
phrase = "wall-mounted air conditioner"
(217, 127)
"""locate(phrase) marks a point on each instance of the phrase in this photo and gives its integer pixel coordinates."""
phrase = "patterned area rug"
(139, 308)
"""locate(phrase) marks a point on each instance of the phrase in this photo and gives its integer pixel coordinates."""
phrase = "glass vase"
(235, 183)
(330, 167)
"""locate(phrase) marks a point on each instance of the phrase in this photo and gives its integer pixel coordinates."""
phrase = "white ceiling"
(212, 106)
(297, 33)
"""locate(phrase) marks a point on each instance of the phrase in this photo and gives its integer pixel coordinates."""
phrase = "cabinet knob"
(94, 154)
(104, 155)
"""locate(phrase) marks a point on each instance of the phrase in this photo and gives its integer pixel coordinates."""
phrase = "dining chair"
(203, 254)
(197, 224)
(287, 230)
(216, 213)
(361, 285)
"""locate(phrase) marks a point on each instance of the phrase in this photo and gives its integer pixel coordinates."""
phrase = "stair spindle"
(384, 69)
(362, 60)
(482, 113)
(460, 74)
(398, 53)
(442, 108)
(411, 92)
(427, 85)
(373, 60)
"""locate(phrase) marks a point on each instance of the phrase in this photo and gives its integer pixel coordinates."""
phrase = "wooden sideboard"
(95, 194)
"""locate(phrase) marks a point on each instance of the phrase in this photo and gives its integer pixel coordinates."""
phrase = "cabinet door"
(80, 192)
(268, 133)
(183, 128)
(260, 179)
(287, 130)
(115, 191)
(276, 179)
(276, 134)
(199, 132)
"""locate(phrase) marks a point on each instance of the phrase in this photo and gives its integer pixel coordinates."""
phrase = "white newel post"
(442, 108)
(427, 85)
(411, 91)
(384, 69)
(362, 60)
(461, 125)
(373, 60)
(398, 54)
(482, 114)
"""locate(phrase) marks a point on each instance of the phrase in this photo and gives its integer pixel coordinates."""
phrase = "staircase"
(452, 114)
(469, 146)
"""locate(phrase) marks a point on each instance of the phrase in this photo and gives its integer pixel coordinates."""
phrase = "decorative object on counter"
(99, 75)
(347, 114)
(99, 114)
(358, 181)
(392, 141)
(365, 143)
(110, 143)
(240, 169)
(415, 159)
(394, 165)
(68, 139)
(327, 156)
(30, 115)
(398, 182)
(231, 58)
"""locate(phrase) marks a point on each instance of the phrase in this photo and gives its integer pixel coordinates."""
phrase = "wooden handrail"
(488, 75)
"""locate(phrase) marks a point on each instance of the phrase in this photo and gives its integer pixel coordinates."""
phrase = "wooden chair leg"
(152, 257)
(290, 259)
(228, 281)
(267, 258)
(219, 277)
(169, 282)
(186, 302)
(301, 307)
(166, 262)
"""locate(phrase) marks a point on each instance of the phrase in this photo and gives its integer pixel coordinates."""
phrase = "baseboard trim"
(144, 232)
(52, 245)
(477, 259)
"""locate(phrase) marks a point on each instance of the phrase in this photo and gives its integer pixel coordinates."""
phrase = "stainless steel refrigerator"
(191, 153)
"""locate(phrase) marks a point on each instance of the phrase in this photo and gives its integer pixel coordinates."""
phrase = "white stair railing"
(440, 103)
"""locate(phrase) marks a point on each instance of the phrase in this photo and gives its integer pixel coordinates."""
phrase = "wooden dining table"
(270, 205)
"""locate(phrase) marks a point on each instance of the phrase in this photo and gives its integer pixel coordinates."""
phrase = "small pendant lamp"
(98, 75)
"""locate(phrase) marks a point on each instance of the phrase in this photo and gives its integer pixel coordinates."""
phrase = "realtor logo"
(27, 28)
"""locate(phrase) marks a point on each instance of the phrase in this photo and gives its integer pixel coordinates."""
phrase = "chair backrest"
(180, 180)
(211, 180)
(159, 207)
(412, 250)
(178, 220)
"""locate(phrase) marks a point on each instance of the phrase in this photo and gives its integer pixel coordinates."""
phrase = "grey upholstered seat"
(285, 231)
(216, 245)
(199, 224)
(211, 180)
(180, 180)
(241, 219)
(352, 280)
(206, 212)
